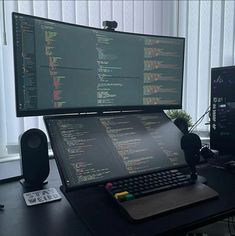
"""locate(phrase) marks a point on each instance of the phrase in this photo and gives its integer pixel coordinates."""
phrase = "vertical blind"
(151, 17)
(208, 27)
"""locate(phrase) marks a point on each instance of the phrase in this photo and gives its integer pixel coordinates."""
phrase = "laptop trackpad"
(162, 202)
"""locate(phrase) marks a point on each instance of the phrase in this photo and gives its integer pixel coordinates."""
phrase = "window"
(208, 26)
(152, 17)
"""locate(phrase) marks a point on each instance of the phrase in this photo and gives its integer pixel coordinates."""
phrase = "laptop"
(93, 150)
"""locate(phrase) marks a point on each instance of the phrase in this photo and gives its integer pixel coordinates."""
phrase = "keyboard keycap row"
(134, 187)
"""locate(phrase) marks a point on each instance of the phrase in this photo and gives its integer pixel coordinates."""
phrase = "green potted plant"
(181, 119)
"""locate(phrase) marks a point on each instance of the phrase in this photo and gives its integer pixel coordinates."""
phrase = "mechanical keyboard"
(148, 195)
(135, 187)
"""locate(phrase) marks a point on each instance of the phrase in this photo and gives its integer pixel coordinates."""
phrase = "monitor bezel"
(97, 109)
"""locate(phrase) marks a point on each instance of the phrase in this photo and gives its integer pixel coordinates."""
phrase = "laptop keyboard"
(138, 186)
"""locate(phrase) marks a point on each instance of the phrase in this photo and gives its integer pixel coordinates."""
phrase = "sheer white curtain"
(152, 17)
(209, 29)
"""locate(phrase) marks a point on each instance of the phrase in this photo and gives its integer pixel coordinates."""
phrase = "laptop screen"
(95, 149)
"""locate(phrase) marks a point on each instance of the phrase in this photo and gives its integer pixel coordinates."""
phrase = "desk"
(58, 218)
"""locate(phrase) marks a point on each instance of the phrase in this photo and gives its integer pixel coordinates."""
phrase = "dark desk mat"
(103, 217)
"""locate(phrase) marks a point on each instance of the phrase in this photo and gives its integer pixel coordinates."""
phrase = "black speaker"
(34, 157)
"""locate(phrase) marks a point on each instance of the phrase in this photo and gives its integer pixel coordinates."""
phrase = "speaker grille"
(34, 156)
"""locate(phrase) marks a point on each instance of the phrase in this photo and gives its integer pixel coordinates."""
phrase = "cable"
(199, 120)
(229, 226)
(233, 223)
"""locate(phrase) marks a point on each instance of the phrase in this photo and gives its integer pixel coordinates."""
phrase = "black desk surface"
(58, 218)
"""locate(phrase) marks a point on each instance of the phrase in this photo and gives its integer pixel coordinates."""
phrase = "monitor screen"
(222, 128)
(66, 68)
(93, 149)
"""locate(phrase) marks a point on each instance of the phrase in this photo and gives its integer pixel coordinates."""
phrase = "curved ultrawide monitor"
(66, 68)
